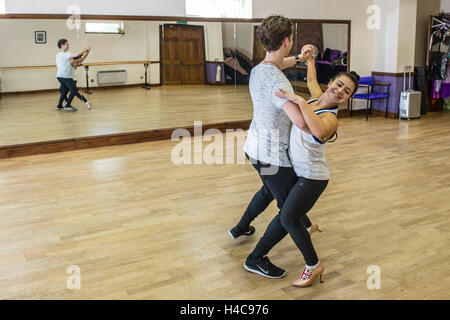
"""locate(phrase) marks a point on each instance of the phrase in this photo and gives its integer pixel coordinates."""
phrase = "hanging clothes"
(445, 87)
(436, 89)
(445, 90)
(440, 43)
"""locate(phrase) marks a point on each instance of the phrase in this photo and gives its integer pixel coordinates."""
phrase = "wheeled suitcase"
(410, 100)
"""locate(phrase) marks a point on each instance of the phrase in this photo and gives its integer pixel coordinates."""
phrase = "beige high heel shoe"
(314, 228)
(309, 275)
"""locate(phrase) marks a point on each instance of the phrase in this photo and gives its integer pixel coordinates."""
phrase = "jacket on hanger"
(440, 43)
(420, 85)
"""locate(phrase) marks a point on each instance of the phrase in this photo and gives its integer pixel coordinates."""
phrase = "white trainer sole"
(242, 235)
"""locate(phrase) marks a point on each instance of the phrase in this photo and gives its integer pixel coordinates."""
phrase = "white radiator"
(111, 77)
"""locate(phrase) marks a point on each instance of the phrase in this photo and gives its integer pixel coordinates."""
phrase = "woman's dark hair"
(273, 30)
(352, 75)
(61, 42)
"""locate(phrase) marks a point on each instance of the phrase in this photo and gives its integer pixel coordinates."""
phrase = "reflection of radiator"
(359, 104)
(111, 77)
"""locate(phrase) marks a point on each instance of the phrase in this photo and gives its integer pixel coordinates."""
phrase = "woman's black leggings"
(300, 200)
(67, 85)
(275, 186)
(78, 94)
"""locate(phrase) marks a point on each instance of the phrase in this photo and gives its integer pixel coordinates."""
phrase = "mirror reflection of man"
(64, 74)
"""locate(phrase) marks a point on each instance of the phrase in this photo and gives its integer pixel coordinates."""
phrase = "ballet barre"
(146, 64)
(96, 64)
(27, 67)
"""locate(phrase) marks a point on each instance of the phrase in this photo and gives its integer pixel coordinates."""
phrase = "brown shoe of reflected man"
(309, 275)
(314, 228)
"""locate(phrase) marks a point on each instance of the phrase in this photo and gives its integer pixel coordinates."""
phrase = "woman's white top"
(307, 153)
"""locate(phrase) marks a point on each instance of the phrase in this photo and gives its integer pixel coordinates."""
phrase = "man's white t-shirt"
(63, 64)
(268, 135)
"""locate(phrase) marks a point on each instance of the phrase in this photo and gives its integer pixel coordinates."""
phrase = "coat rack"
(432, 104)
(442, 23)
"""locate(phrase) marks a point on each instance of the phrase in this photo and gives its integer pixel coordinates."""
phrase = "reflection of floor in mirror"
(140, 227)
(29, 118)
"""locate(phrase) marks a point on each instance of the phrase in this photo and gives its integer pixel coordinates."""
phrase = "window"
(96, 27)
(2, 7)
(219, 8)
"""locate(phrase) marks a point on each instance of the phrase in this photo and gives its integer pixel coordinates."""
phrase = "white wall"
(228, 35)
(2, 6)
(396, 38)
(20, 50)
(445, 5)
(385, 39)
(213, 39)
(239, 36)
(111, 7)
(386, 49)
(140, 42)
(406, 34)
(354, 10)
(335, 36)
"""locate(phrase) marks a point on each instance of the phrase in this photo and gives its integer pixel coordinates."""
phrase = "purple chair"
(371, 94)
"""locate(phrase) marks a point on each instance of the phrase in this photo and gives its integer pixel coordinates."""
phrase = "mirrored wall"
(331, 41)
(142, 75)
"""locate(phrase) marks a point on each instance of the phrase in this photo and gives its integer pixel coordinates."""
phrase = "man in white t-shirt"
(64, 74)
(267, 142)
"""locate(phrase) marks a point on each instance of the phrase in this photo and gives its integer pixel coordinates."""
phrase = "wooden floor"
(30, 118)
(140, 227)
(27, 118)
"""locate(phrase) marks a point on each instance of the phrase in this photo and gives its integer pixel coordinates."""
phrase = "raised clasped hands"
(307, 52)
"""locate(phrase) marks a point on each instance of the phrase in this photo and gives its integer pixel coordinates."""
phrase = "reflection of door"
(308, 33)
(258, 50)
(305, 33)
(182, 54)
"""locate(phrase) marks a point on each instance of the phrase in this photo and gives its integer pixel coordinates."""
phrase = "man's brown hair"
(61, 42)
(273, 30)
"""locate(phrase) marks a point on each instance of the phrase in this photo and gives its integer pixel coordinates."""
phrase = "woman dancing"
(306, 151)
(64, 74)
(75, 63)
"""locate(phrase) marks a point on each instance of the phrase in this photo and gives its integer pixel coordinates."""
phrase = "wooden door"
(259, 53)
(192, 55)
(170, 54)
(308, 33)
(182, 54)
